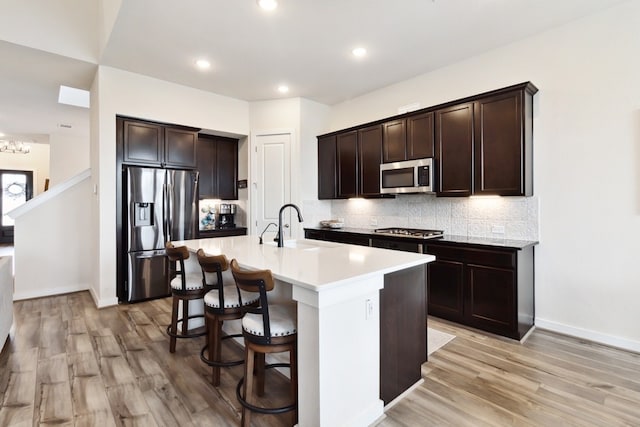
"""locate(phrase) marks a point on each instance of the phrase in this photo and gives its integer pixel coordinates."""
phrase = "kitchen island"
(337, 288)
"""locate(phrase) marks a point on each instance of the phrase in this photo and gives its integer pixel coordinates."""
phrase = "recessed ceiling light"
(268, 4)
(283, 88)
(359, 52)
(1, 134)
(203, 64)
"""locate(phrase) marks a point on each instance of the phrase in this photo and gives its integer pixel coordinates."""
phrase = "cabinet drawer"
(494, 258)
(396, 245)
(314, 234)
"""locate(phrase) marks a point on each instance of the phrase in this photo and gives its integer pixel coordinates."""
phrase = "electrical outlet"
(373, 221)
(368, 307)
(497, 229)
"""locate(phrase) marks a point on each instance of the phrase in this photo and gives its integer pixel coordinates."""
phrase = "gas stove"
(413, 233)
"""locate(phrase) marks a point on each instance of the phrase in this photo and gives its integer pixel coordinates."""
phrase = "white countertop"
(312, 264)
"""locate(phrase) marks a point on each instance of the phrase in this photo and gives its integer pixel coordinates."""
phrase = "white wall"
(37, 161)
(119, 92)
(69, 155)
(305, 119)
(276, 116)
(58, 263)
(586, 161)
(314, 121)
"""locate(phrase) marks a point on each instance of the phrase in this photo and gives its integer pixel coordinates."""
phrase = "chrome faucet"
(279, 238)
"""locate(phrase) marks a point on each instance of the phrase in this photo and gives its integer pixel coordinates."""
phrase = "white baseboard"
(610, 340)
(47, 292)
(102, 302)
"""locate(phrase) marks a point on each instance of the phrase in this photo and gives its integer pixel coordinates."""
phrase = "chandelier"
(16, 147)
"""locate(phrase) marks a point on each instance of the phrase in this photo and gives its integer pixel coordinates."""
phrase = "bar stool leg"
(174, 325)
(215, 349)
(248, 385)
(259, 370)
(185, 317)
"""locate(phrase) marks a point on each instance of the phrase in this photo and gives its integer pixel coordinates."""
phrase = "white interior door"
(272, 186)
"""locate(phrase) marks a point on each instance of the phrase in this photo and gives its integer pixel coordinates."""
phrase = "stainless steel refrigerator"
(161, 206)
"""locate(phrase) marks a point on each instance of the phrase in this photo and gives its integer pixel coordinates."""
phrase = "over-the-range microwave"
(410, 176)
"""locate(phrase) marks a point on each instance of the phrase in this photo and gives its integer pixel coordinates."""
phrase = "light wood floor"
(68, 363)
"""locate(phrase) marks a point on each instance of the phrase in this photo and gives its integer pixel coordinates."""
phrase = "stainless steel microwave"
(411, 176)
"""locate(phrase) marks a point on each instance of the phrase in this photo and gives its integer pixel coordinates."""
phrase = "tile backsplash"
(493, 217)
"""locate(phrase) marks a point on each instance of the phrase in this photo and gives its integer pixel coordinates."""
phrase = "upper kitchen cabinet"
(503, 146)
(349, 163)
(327, 188)
(149, 143)
(370, 157)
(454, 150)
(217, 162)
(347, 171)
(408, 138)
(394, 143)
(484, 145)
(180, 147)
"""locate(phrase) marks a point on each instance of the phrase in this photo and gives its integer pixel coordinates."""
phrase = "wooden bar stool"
(223, 301)
(185, 286)
(266, 329)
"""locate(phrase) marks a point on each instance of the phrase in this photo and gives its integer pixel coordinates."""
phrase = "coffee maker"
(226, 214)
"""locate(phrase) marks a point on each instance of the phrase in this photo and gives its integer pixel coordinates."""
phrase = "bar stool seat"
(185, 286)
(281, 321)
(224, 301)
(267, 328)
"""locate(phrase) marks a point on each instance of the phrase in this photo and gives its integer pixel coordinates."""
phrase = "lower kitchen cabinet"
(222, 232)
(488, 289)
(337, 236)
(444, 289)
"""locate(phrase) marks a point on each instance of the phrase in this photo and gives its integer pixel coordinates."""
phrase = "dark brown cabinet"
(403, 335)
(503, 146)
(370, 157)
(444, 293)
(218, 166)
(394, 143)
(489, 289)
(454, 150)
(349, 163)
(347, 170)
(485, 146)
(222, 232)
(158, 145)
(409, 138)
(337, 236)
(327, 188)
(420, 136)
(482, 144)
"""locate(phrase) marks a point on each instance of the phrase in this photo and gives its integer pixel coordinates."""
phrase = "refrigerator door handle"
(167, 213)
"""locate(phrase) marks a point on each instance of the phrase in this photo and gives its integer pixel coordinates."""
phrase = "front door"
(17, 188)
(272, 188)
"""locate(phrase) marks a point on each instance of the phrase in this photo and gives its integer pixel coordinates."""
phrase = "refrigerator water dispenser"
(143, 214)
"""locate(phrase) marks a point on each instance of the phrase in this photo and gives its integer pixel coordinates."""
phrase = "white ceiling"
(304, 43)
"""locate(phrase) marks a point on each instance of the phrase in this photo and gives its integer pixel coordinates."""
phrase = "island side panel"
(338, 348)
(403, 333)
